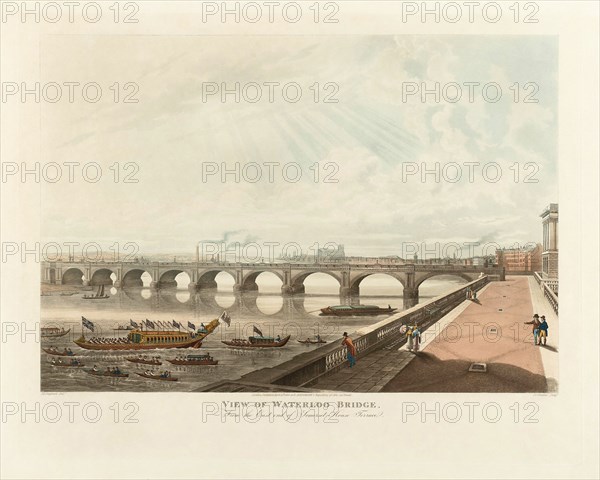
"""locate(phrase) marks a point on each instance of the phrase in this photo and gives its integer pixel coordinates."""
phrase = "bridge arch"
(249, 279)
(133, 277)
(168, 278)
(425, 276)
(297, 281)
(102, 276)
(207, 278)
(72, 276)
(356, 281)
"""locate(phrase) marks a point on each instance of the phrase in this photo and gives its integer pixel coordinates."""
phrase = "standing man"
(543, 330)
(351, 349)
(536, 327)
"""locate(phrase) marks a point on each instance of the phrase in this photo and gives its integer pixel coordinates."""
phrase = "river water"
(272, 313)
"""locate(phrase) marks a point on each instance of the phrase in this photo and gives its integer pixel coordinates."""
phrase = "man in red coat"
(535, 327)
(351, 350)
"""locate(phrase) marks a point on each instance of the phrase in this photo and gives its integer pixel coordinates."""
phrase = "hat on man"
(536, 316)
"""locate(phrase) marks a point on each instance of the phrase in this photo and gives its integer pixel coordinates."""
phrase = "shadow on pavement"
(427, 373)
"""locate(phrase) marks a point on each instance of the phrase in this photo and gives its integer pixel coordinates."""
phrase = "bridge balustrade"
(549, 287)
(551, 297)
(306, 369)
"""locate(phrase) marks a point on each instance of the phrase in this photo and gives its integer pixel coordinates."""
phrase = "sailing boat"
(99, 295)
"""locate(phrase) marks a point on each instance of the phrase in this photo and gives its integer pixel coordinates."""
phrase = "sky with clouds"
(369, 140)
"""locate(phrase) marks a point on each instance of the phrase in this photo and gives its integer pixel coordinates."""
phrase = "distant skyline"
(372, 136)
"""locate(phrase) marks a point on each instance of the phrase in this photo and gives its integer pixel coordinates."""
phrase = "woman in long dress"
(416, 335)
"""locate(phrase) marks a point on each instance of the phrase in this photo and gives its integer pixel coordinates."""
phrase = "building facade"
(550, 242)
(525, 259)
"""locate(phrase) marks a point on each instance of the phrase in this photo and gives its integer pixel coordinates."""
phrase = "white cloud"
(369, 134)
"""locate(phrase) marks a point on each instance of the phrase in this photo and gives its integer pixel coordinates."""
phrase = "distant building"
(388, 260)
(525, 259)
(550, 242)
(322, 255)
(488, 261)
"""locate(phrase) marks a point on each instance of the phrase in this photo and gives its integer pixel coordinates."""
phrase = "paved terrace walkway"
(464, 336)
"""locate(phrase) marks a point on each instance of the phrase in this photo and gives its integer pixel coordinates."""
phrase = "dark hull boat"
(194, 360)
(106, 374)
(311, 342)
(256, 342)
(58, 353)
(74, 365)
(100, 295)
(51, 332)
(158, 377)
(144, 361)
(356, 310)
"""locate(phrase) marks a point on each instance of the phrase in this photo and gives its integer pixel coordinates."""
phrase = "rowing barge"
(356, 310)
(150, 339)
(256, 342)
(54, 332)
(54, 351)
(75, 365)
(194, 360)
(145, 361)
(98, 373)
(312, 342)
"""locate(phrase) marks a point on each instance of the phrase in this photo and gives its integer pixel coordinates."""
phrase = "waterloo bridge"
(292, 275)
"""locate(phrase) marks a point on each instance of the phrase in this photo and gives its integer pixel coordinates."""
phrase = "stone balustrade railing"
(549, 287)
(307, 368)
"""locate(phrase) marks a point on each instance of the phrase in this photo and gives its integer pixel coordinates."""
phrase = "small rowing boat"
(54, 351)
(308, 341)
(65, 364)
(158, 377)
(194, 360)
(145, 361)
(98, 373)
(54, 332)
(100, 295)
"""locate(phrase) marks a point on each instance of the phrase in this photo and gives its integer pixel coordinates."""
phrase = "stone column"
(411, 296)
(119, 274)
(155, 283)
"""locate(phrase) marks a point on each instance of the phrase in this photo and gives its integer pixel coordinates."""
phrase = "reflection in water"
(182, 296)
(145, 293)
(270, 312)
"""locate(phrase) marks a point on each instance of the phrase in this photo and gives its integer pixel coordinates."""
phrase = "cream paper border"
(171, 441)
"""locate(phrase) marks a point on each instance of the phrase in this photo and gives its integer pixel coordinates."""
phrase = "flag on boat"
(191, 325)
(133, 324)
(256, 330)
(87, 324)
(176, 324)
(161, 325)
(150, 324)
(225, 318)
